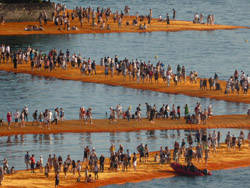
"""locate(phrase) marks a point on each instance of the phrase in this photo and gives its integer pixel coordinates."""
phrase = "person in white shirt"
(49, 116)
(248, 79)
(41, 163)
(7, 49)
(26, 113)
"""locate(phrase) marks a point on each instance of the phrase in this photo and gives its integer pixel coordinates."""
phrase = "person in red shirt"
(9, 117)
(33, 162)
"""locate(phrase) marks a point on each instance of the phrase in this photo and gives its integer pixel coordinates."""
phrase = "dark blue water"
(39, 93)
(222, 178)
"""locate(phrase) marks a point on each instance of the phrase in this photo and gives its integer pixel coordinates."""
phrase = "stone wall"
(25, 12)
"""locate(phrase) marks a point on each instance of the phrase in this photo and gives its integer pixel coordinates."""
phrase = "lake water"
(222, 178)
(14, 147)
(228, 12)
(205, 52)
(40, 93)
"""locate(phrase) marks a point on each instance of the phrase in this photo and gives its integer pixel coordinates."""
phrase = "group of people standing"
(95, 17)
(237, 83)
(122, 159)
(206, 144)
(136, 70)
(200, 115)
(86, 115)
(43, 119)
(23, 116)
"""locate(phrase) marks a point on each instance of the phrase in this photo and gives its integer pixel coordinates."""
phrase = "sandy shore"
(17, 28)
(224, 159)
(183, 88)
(99, 125)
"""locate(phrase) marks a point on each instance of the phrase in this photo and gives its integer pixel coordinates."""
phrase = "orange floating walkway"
(182, 88)
(102, 125)
(17, 28)
(146, 171)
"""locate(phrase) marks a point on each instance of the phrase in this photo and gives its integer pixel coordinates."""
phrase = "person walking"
(26, 160)
(57, 180)
(9, 118)
(134, 160)
(32, 163)
(56, 114)
(96, 170)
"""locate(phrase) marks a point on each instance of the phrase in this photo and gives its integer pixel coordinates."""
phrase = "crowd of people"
(99, 17)
(134, 69)
(206, 144)
(48, 117)
(237, 83)
(43, 119)
(122, 159)
(200, 115)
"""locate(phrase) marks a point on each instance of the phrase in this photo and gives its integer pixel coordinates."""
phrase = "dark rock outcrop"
(25, 12)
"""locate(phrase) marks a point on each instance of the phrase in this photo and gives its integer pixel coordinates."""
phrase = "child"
(89, 179)
(12, 170)
(156, 159)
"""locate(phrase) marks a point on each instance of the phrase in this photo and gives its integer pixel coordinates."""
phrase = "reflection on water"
(14, 147)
